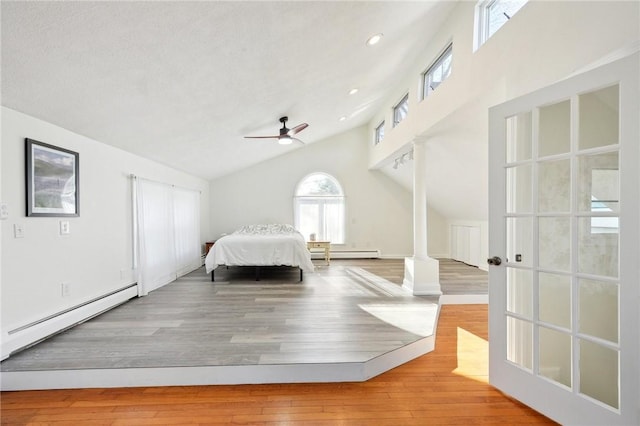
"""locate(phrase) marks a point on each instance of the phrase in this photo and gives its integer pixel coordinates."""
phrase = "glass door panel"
(599, 183)
(598, 309)
(554, 129)
(554, 305)
(555, 355)
(520, 292)
(520, 240)
(519, 137)
(519, 189)
(599, 118)
(599, 371)
(598, 246)
(520, 342)
(554, 243)
(554, 186)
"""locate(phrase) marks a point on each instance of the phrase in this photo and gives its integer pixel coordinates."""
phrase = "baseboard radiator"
(29, 334)
(348, 254)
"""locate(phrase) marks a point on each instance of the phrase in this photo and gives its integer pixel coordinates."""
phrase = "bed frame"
(258, 268)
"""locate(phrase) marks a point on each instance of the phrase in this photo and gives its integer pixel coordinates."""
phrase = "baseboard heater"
(28, 335)
(348, 254)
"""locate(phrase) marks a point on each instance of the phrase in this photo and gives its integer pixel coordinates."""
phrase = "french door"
(564, 235)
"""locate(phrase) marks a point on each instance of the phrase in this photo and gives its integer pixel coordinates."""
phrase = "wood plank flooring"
(446, 387)
(340, 314)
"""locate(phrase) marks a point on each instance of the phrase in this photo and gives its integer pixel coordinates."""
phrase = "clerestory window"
(379, 134)
(438, 72)
(401, 110)
(491, 15)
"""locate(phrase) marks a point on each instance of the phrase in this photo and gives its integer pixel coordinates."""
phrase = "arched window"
(319, 208)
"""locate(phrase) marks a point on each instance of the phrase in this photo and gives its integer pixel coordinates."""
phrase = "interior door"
(564, 231)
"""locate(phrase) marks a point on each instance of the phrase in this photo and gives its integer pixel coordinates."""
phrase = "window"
(379, 134)
(319, 208)
(493, 14)
(438, 72)
(401, 110)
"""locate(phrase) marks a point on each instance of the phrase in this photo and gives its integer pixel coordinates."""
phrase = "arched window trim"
(321, 200)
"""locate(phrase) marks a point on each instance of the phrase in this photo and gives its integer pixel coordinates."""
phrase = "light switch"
(64, 227)
(18, 230)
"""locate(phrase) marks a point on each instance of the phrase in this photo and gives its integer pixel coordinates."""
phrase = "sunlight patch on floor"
(419, 319)
(473, 356)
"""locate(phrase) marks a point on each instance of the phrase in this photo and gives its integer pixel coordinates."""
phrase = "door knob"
(495, 261)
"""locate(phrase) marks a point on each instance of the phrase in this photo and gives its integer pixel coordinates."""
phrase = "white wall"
(544, 42)
(96, 257)
(379, 211)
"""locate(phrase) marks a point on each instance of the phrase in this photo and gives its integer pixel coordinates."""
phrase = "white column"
(421, 273)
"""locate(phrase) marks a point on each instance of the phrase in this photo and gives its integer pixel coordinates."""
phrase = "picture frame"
(52, 180)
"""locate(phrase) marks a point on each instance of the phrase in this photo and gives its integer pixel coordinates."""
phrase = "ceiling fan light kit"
(285, 136)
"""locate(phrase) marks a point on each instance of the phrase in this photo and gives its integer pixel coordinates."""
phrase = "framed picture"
(52, 180)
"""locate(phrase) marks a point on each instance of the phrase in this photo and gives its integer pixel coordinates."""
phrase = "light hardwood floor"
(333, 316)
(342, 313)
(445, 387)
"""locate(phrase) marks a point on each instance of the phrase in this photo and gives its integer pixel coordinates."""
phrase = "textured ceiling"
(182, 82)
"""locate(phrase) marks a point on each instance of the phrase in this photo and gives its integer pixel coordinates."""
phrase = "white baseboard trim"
(22, 337)
(348, 254)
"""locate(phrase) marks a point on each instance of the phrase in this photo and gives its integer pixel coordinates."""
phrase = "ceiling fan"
(285, 136)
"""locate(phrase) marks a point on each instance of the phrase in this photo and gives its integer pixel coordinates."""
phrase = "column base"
(422, 276)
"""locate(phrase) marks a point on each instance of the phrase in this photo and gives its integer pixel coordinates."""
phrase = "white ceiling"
(182, 82)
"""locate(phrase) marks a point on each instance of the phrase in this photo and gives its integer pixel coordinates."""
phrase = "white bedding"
(260, 245)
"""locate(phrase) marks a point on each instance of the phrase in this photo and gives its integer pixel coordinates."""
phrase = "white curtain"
(186, 214)
(167, 233)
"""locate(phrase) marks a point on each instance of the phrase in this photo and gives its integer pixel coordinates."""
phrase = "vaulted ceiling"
(181, 83)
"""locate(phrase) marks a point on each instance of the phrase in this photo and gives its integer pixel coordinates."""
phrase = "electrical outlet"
(65, 289)
(18, 230)
(4, 211)
(64, 227)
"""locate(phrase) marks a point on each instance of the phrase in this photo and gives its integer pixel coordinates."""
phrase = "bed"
(258, 246)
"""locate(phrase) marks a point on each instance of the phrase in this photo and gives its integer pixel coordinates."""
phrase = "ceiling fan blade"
(298, 128)
(262, 137)
(296, 140)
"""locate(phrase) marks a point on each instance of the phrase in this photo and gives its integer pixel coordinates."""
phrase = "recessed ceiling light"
(374, 39)
(353, 91)
(344, 117)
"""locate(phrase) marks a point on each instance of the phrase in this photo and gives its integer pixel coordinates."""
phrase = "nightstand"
(325, 245)
(207, 246)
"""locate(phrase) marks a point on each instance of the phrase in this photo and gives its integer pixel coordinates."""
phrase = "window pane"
(555, 299)
(379, 133)
(401, 110)
(519, 137)
(438, 72)
(554, 243)
(519, 189)
(499, 12)
(520, 342)
(319, 184)
(599, 118)
(319, 208)
(554, 182)
(554, 129)
(598, 251)
(519, 297)
(555, 355)
(599, 372)
(598, 314)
